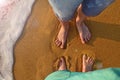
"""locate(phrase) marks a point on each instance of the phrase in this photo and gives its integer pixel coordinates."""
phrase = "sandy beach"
(35, 52)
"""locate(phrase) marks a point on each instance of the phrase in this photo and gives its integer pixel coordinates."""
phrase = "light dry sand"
(35, 52)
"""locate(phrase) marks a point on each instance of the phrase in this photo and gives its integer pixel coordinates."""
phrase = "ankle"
(65, 26)
(79, 20)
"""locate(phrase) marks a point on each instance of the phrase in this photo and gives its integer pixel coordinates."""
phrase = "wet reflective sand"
(35, 52)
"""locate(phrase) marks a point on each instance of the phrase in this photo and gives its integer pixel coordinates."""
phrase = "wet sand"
(35, 51)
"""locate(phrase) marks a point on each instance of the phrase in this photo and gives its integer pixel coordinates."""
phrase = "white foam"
(2, 2)
(13, 16)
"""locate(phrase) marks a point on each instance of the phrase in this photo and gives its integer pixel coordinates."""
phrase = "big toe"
(84, 57)
(62, 45)
(82, 39)
(63, 61)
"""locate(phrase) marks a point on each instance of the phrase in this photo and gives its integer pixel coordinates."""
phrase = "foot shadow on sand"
(98, 30)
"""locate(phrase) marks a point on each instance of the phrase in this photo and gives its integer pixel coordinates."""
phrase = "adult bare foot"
(62, 64)
(83, 30)
(87, 63)
(62, 35)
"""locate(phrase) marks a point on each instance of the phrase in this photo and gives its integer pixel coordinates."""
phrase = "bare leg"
(62, 35)
(87, 63)
(83, 30)
(62, 64)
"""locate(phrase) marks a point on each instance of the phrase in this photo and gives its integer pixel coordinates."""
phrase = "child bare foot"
(62, 64)
(87, 63)
(62, 35)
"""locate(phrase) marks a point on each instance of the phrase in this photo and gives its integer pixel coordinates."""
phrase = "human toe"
(57, 42)
(84, 57)
(86, 39)
(62, 45)
(82, 39)
(88, 59)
